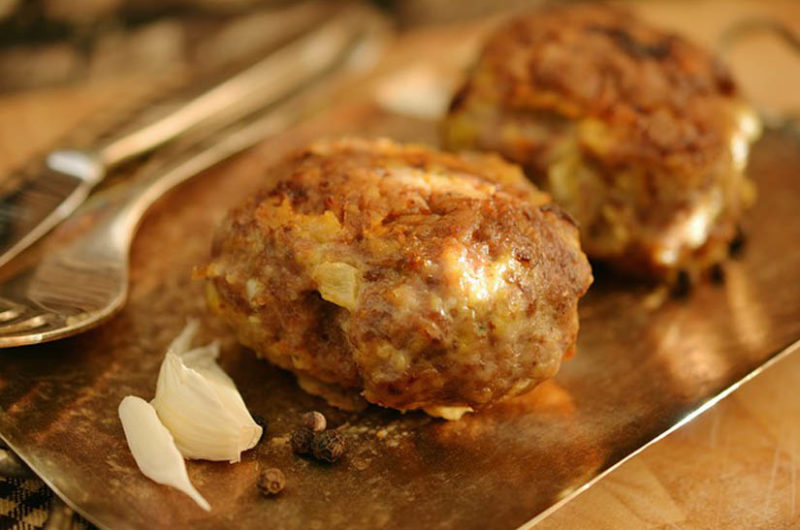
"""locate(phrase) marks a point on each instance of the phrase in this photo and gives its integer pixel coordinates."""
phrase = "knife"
(40, 202)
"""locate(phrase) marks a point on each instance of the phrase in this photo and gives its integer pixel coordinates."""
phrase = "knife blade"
(38, 204)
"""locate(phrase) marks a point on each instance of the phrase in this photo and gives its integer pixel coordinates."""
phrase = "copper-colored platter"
(640, 371)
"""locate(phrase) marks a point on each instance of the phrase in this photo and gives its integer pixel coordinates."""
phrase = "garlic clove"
(199, 403)
(203, 360)
(154, 449)
(183, 341)
(190, 408)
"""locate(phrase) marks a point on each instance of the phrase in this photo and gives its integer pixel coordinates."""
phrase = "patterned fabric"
(25, 505)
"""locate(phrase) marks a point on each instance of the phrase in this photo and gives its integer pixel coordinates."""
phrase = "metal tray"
(642, 369)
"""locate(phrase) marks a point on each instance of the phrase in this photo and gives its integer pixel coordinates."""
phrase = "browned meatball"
(637, 133)
(416, 278)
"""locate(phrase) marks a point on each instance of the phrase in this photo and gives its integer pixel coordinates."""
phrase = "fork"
(38, 197)
(84, 281)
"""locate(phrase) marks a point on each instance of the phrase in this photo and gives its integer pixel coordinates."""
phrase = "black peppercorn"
(271, 482)
(315, 421)
(328, 446)
(302, 440)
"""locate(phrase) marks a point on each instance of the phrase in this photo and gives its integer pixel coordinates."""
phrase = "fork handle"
(117, 211)
(237, 97)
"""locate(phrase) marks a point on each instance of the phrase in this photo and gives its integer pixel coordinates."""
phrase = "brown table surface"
(736, 466)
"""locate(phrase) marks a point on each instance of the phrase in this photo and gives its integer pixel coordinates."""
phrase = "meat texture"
(413, 278)
(639, 134)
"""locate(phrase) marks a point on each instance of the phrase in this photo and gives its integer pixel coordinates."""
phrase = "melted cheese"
(480, 280)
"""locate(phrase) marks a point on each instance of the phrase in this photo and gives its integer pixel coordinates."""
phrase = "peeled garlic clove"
(189, 407)
(154, 449)
(203, 360)
(200, 405)
(183, 341)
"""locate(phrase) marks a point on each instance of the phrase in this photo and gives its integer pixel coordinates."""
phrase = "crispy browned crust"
(416, 226)
(651, 115)
(656, 90)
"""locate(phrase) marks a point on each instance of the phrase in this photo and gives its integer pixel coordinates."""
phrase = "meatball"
(415, 278)
(640, 135)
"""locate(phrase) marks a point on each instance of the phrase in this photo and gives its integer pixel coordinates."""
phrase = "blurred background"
(47, 42)
(71, 68)
(55, 42)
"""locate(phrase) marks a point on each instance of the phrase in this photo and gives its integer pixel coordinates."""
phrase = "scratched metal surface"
(639, 372)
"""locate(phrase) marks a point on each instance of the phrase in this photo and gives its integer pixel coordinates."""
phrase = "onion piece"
(154, 449)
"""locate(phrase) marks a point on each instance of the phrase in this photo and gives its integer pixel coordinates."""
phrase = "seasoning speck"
(738, 242)
(315, 421)
(683, 284)
(271, 482)
(302, 440)
(328, 446)
(718, 274)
